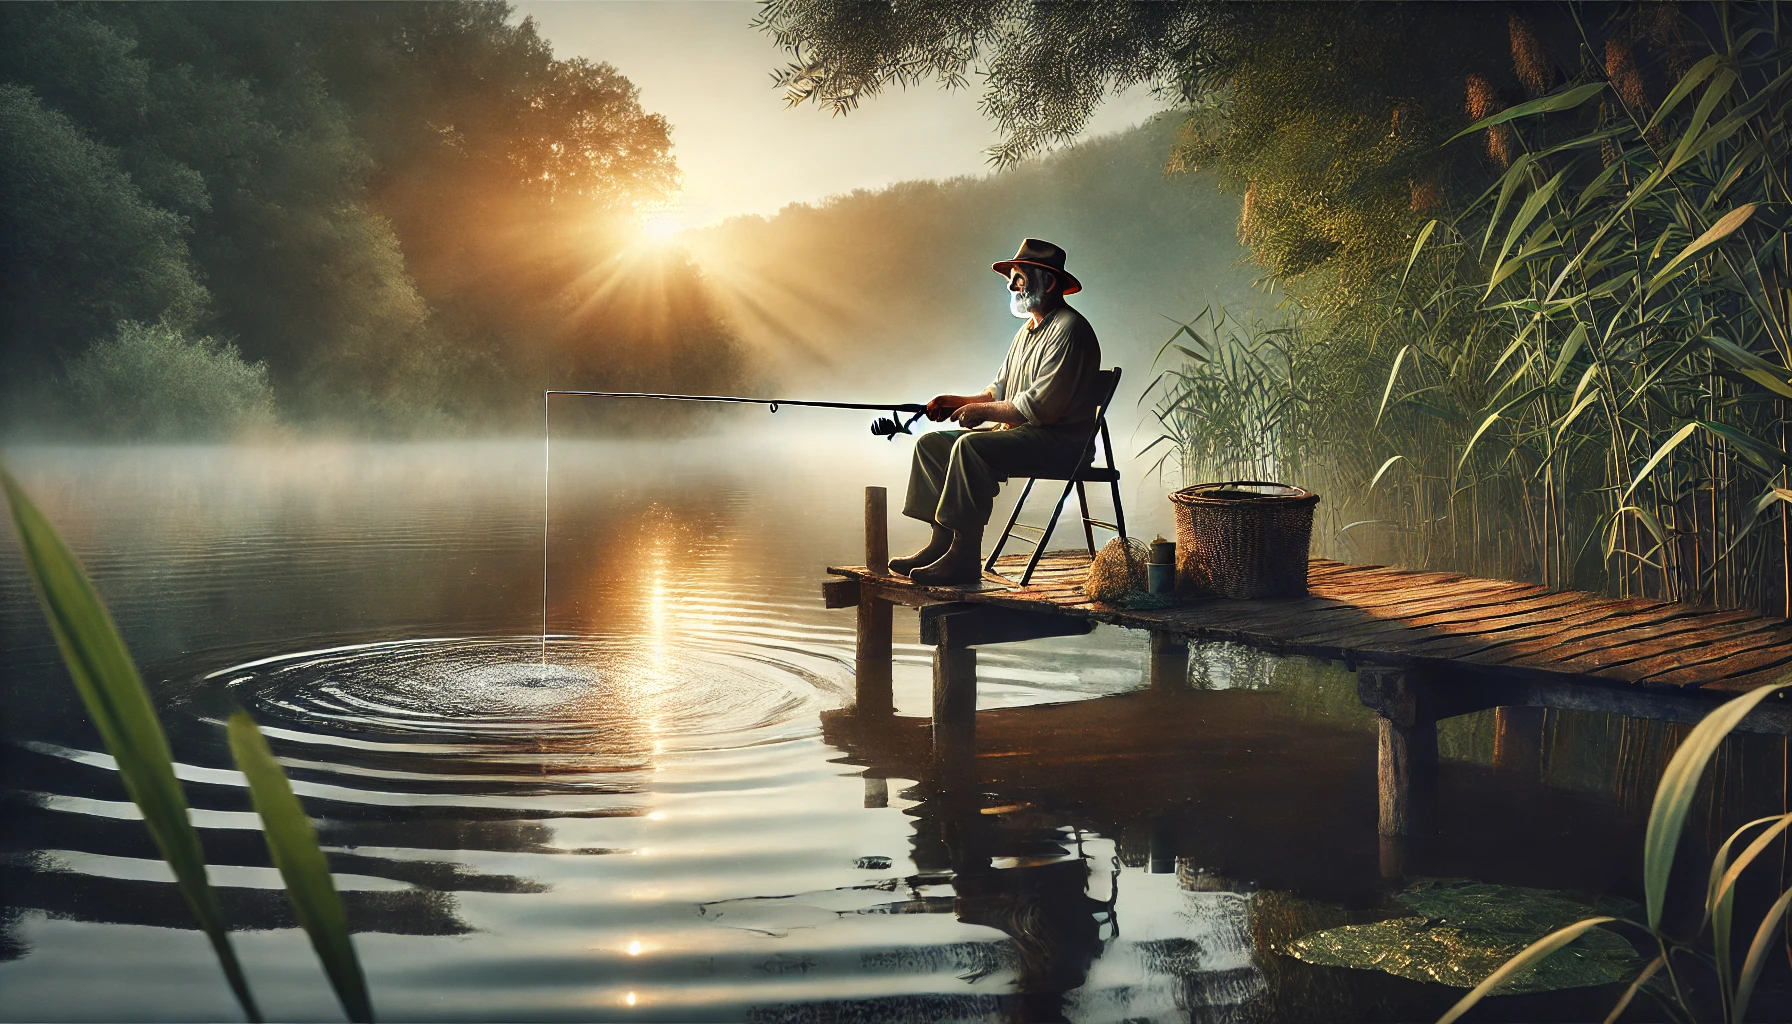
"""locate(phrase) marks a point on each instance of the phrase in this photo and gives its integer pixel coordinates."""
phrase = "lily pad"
(1468, 929)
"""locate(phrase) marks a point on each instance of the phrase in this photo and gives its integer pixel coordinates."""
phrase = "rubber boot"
(962, 563)
(936, 546)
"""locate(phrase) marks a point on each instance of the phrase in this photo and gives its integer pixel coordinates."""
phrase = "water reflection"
(664, 807)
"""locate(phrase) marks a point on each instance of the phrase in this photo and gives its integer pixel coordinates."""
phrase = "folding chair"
(1107, 382)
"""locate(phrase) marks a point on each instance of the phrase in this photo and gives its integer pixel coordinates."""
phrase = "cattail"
(1529, 59)
(1483, 101)
(1426, 196)
(1499, 145)
(1481, 97)
(1245, 215)
(1627, 81)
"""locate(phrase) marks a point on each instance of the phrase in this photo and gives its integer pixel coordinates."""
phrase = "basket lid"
(1243, 491)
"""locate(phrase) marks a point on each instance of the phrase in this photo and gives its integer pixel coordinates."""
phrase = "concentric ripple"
(514, 707)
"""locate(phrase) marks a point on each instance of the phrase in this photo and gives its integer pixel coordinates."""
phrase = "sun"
(661, 225)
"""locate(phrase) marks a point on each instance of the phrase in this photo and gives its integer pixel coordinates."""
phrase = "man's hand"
(941, 406)
(972, 415)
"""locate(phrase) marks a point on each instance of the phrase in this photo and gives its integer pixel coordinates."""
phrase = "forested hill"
(389, 217)
(889, 292)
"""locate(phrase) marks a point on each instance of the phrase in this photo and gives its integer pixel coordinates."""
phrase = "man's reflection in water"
(1018, 876)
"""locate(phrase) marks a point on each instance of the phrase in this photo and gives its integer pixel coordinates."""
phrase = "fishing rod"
(884, 426)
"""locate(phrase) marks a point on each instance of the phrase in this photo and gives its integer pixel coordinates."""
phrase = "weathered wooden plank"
(973, 625)
(840, 592)
(1699, 647)
(1598, 650)
(1779, 672)
(1596, 614)
(1697, 670)
(1542, 650)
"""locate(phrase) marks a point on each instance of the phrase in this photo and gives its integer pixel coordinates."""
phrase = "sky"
(742, 150)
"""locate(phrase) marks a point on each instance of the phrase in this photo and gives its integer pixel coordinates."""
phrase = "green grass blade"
(121, 710)
(1679, 783)
(1533, 953)
(1635, 987)
(293, 844)
(1393, 375)
(1688, 82)
(1424, 234)
(1384, 468)
(1666, 449)
(1757, 958)
(1541, 105)
(1725, 227)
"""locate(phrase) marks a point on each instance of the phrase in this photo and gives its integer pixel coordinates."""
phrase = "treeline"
(889, 292)
(386, 217)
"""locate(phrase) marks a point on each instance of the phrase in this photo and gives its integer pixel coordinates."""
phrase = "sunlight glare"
(662, 225)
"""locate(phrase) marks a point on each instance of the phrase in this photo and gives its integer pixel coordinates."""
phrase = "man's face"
(1024, 293)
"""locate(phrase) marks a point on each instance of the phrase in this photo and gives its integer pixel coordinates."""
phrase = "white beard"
(1022, 304)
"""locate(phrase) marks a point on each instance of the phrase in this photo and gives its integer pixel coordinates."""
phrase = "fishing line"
(903, 416)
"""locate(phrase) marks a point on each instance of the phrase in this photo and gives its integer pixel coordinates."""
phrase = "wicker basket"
(1243, 539)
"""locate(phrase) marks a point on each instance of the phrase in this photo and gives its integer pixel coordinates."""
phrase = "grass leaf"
(1725, 226)
(1679, 783)
(1757, 958)
(1661, 453)
(122, 711)
(1541, 105)
(293, 844)
(1533, 953)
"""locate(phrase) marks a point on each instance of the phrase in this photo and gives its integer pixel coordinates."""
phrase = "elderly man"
(1036, 418)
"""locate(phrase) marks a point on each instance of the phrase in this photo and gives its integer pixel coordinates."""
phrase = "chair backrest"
(1107, 382)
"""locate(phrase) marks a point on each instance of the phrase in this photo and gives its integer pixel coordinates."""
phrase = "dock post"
(954, 711)
(877, 531)
(1406, 756)
(1518, 739)
(873, 669)
(1169, 661)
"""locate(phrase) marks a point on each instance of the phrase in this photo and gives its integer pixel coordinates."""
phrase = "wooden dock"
(1425, 645)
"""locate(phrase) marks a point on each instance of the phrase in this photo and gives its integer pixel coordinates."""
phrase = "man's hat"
(1037, 253)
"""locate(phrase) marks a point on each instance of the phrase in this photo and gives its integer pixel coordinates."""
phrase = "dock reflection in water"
(668, 810)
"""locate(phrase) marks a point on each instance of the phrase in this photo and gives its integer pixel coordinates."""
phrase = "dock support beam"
(1406, 758)
(1169, 661)
(872, 682)
(955, 715)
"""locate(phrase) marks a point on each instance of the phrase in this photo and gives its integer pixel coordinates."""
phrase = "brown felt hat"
(1038, 253)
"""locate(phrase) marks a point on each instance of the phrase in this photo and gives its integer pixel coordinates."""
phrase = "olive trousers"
(956, 474)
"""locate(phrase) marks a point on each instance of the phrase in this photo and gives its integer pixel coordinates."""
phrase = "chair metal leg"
(1019, 503)
(1082, 503)
(1119, 513)
(1057, 510)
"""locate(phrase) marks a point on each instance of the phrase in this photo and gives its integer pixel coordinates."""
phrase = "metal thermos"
(1160, 572)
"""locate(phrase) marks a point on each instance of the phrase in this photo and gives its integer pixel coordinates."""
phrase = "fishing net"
(1118, 571)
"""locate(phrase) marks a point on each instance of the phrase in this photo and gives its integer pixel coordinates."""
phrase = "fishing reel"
(893, 424)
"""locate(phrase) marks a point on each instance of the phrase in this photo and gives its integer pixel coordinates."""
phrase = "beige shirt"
(1049, 373)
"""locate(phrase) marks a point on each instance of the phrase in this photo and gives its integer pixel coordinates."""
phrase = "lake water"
(665, 809)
